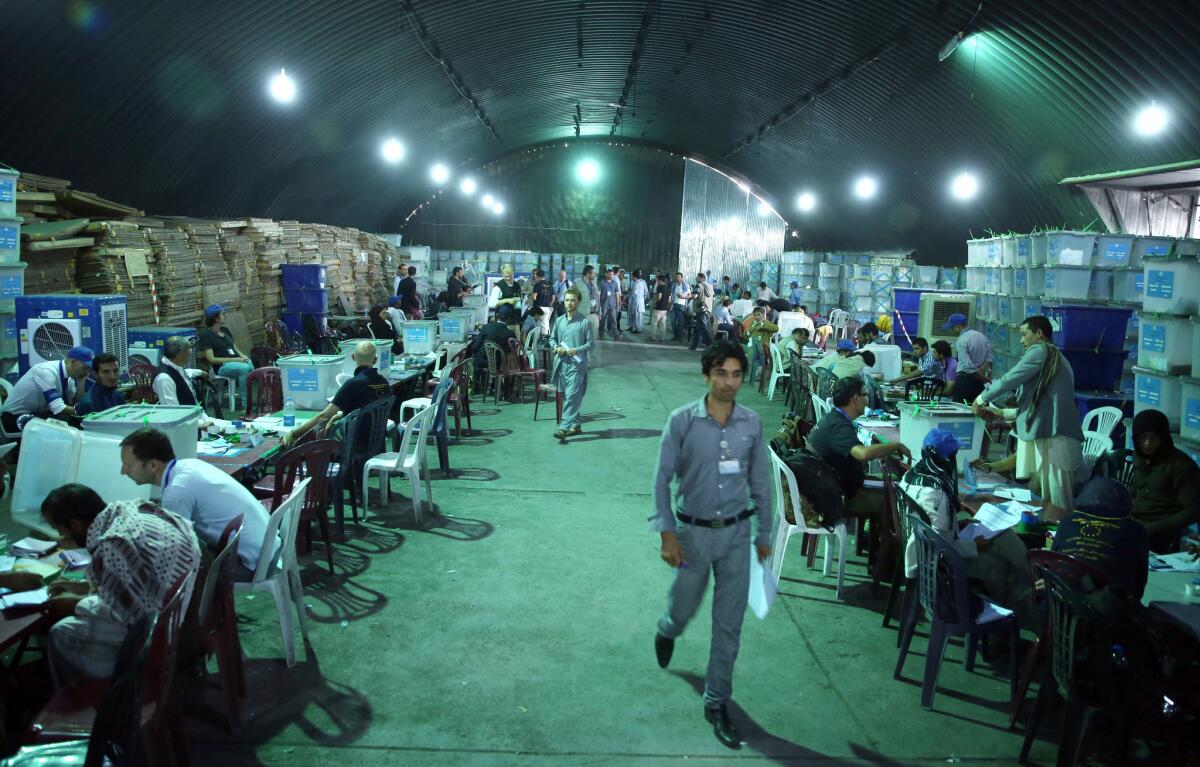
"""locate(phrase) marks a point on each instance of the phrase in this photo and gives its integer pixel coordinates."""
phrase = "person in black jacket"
(1102, 532)
(496, 332)
(381, 328)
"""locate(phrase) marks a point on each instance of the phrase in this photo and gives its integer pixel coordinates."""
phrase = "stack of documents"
(994, 518)
(32, 547)
(18, 599)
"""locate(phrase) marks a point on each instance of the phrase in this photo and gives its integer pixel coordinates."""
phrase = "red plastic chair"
(71, 713)
(459, 400)
(142, 377)
(312, 460)
(264, 357)
(521, 371)
(218, 622)
(264, 392)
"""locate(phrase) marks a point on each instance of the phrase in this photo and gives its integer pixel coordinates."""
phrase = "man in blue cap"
(50, 388)
(974, 359)
(215, 344)
(997, 563)
(846, 362)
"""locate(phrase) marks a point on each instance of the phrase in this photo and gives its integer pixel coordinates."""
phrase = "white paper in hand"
(1023, 494)
(763, 586)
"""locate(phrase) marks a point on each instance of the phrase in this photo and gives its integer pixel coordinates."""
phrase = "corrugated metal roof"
(163, 105)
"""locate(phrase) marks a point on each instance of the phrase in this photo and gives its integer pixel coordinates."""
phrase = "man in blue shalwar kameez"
(571, 340)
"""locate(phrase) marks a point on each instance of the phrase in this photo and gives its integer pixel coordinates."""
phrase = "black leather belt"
(715, 524)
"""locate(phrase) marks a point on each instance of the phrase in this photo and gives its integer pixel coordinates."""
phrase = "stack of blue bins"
(1092, 338)
(304, 294)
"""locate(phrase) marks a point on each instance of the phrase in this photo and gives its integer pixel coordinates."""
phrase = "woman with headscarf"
(999, 565)
(1165, 484)
(1048, 422)
(381, 328)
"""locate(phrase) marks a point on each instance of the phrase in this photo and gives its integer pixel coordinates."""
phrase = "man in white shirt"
(174, 383)
(397, 316)
(805, 321)
(680, 295)
(765, 293)
(199, 492)
(50, 388)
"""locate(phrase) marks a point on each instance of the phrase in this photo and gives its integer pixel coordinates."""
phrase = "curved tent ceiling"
(164, 105)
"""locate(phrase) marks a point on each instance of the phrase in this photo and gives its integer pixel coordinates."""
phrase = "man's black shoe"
(663, 648)
(722, 727)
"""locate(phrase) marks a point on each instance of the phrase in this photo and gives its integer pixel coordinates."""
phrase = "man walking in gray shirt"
(571, 340)
(715, 449)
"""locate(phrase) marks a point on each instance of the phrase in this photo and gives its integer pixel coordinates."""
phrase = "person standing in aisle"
(456, 288)
(560, 293)
(662, 305)
(589, 305)
(410, 302)
(1049, 435)
(543, 300)
(714, 447)
(637, 302)
(571, 339)
(610, 296)
(974, 359)
(702, 305)
(622, 295)
(680, 295)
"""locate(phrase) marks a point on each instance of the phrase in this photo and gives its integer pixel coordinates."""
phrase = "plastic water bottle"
(289, 413)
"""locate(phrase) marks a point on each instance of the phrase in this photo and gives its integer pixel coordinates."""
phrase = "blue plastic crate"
(904, 322)
(306, 301)
(1089, 327)
(906, 299)
(1096, 370)
(303, 276)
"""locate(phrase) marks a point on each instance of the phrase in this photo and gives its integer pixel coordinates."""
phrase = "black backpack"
(818, 483)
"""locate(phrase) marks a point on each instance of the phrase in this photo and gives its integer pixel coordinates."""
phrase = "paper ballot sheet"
(993, 519)
(763, 585)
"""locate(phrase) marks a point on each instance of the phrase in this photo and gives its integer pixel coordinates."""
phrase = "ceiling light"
(1151, 120)
(498, 208)
(283, 88)
(866, 187)
(795, 233)
(964, 186)
(806, 201)
(488, 201)
(393, 151)
(467, 186)
(587, 171)
(439, 173)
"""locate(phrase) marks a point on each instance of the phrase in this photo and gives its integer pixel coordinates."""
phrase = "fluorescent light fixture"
(806, 202)
(393, 150)
(1151, 121)
(439, 173)
(587, 171)
(964, 186)
(468, 186)
(488, 201)
(283, 88)
(865, 187)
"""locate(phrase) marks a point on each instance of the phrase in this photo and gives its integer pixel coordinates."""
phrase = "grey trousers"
(571, 380)
(726, 552)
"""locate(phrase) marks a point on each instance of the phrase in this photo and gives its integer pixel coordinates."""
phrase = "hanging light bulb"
(283, 88)
(439, 173)
(392, 150)
(467, 186)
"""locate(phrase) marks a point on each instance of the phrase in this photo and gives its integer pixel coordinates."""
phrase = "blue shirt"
(693, 445)
(99, 399)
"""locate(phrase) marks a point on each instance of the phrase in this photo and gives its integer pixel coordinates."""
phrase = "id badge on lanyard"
(728, 464)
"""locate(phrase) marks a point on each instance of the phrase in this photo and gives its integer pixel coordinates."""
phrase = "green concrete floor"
(516, 625)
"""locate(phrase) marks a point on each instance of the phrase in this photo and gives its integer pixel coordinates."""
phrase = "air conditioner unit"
(50, 340)
(936, 309)
(154, 336)
(145, 355)
(102, 322)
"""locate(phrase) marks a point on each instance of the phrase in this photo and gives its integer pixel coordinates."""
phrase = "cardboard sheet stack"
(121, 247)
(180, 292)
(240, 263)
(204, 241)
(269, 254)
(378, 254)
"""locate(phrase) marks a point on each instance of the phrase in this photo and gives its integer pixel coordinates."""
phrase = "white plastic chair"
(1095, 445)
(785, 530)
(1102, 420)
(279, 574)
(821, 407)
(409, 459)
(839, 320)
(225, 386)
(777, 371)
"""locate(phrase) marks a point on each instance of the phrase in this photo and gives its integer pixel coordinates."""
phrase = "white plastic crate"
(1024, 250)
(1029, 306)
(1189, 412)
(976, 252)
(1113, 251)
(383, 354)
(947, 278)
(1070, 248)
(975, 277)
(830, 270)
(8, 193)
(1015, 348)
(1004, 308)
(1127, 285)
(1006, 280)
(1008, 251)
(12, 284)
(1172, 285)
(918, 420)
(1150, 246)
(1100, 288)
(1165, 343)
(861, 287)
(927, 276)
(181, 423)
(1157, 391)
(994, 253)
(308, 379)
(883, 273)
(830, 284)
(10, 240)
(1068, 282)
(1037, 249)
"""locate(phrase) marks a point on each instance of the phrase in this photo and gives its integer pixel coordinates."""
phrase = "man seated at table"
(846, 362)
(198, 492)
(925, 365)
(1165, 484)
(794, 343)
(1102, 532)
(943, 355)
(102, 393)
(139, 552)
(835, 441)
(496, 332)
(362, 389)
(868, 333)
(999, 564)
(175, 382)
(48, 389)
(742, 306)
(723, 318)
